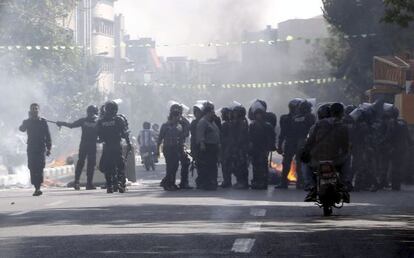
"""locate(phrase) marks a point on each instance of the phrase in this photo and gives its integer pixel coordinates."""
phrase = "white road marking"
(252, 226)
(258, 212)
(54, 203)
(19, 213)
(243, 245)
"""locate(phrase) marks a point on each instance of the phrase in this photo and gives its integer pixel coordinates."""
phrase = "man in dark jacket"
(328, 141)
(170, 139)
(208, 140)
(111, 129)
(87, 146)
(39, 144)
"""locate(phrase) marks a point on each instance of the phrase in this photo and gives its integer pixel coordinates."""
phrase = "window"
(104, 27)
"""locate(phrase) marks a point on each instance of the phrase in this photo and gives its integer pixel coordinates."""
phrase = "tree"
(400, 12)
(60, 79)
(352, 56)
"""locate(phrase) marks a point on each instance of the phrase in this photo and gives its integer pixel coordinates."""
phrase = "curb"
(59, 172)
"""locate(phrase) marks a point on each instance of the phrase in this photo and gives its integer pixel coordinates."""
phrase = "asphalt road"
(148, 222)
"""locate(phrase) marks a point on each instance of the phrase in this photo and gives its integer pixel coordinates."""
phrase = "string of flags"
(326, 80)
(201, 45)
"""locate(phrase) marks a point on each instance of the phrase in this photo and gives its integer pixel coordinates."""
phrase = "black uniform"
(302, 125)
(193, 140)
(226, 152)
(288, 143)
(170, 138)
(38, 141)
(208, 134)
(239, 149)
(87, 146)
(111, 130)
(260, 138)
(398, 141)
(184, 159)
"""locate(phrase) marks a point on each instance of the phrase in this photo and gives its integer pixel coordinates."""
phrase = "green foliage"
(353, 57)
(400, 12)
(61, 73)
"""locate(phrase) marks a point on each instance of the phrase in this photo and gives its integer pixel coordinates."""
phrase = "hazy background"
(193, 21)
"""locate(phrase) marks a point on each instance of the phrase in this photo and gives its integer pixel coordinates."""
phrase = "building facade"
(100, 32)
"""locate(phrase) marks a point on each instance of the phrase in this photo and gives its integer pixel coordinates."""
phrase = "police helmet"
(305, 107)
(240, 111)
(176, 107)
(324, 111)
(207, 107)
(111, 108)
(225, 113)
(337, 109)
(294, 104)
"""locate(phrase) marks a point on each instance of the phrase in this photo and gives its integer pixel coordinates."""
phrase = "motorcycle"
(148, 158)
(330, 193)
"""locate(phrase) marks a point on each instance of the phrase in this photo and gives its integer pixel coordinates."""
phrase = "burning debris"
(276, 169)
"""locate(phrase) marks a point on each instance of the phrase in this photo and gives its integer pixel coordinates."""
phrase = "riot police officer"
(225, 138)
(87, 146)
(208, 140)
(39, 144)
(111, 129)
(170, 138)
(239, 147)
(398, 142)
(287, 143)
(302, 123)
(184, 159)
(261, 134)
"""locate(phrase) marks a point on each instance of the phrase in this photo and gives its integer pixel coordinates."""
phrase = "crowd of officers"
(368, 144)
(229, 140)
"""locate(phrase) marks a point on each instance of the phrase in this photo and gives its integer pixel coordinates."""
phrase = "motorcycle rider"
(146, 140)
(39, 144)
(87, 146)
(155, 131)
(324, 112)
(208, 140)
(112, 128)
(328, 140)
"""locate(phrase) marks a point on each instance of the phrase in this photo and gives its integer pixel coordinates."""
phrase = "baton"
(50, 121)
(53, 122)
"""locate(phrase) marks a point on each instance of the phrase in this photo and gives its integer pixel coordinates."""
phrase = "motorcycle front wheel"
(327, 210)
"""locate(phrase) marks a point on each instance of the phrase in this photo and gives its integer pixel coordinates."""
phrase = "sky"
(196, 21)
